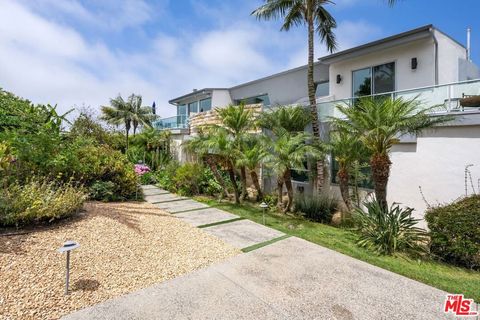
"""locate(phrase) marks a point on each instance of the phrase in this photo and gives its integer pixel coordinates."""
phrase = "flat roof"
(195, 92)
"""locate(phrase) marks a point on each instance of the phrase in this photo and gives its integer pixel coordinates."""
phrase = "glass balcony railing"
(175, 122)
(447, 98)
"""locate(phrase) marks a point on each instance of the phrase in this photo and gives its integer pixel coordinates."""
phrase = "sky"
(77, 53)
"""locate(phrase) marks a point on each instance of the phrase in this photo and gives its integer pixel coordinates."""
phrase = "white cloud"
(47, 60)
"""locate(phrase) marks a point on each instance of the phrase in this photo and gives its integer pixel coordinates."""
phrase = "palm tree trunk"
(280, 192)
(312, 99)
(344, 188)
(288, 183)
(243, 180)
(254, 176)
(213, 166)
(231, 174)
(380, 164)
(126, 137)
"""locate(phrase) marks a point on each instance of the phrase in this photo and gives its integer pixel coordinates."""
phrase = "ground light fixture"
(67, 247)
(264, 206)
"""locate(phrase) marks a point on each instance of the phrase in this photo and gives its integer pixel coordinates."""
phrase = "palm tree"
(379, 123)
(348, 150)
(289, 151)
(141, 115)
(220, 143)
(200, 146)
(285, 118)
(251, 157)
(118, 113)
(237, 121)
(313, 14)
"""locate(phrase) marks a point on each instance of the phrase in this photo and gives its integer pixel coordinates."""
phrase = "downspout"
(432, 32)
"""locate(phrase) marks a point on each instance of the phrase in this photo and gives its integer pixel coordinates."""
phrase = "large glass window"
(182, 109)
(322, 89)
(205, 105)
(374, 80)
(362, 177)
(384, 78)
(193, 107)
(263, 99)
(362, 82)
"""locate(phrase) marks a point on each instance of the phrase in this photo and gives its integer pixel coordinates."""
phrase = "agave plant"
(389, 231)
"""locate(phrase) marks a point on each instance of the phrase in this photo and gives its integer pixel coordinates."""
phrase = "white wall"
(220, 98)
(284, 88)
(449, 54)
(176, 147)
(436, 163)
(406, 78)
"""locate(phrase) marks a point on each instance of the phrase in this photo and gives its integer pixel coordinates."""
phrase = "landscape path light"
(264, 206)
(67, 247)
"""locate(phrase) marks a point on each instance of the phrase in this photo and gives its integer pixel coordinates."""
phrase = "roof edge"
(425, 28)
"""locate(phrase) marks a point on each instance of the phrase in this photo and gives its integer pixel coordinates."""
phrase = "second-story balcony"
(172, 123)
(460, 97)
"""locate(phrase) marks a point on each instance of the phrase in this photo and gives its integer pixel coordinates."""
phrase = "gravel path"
(124, 247)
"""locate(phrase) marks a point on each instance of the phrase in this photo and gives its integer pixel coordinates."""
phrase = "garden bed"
(123, 247)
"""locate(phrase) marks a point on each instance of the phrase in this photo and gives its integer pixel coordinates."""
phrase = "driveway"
(289, 279)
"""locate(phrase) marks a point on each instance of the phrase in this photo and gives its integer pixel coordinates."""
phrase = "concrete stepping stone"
(205, 216)
(243, 233)
(179, 206)
(154, 192)
(148, 187)
(166, 197)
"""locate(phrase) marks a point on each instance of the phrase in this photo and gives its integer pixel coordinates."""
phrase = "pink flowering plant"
(141, 169)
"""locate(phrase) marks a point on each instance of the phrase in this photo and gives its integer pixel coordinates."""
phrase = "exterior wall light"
(67, 247)
(264, 206)
(414, 63)
(339, 78)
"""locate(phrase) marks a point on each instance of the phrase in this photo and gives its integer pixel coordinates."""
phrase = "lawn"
(439, 275)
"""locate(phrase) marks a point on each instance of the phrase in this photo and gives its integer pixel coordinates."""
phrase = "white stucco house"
(423, 62)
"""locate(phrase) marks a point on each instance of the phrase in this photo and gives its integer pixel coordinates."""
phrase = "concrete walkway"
(288, 279)
(224, 225)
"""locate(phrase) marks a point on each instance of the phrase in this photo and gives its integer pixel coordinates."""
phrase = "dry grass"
(124, 247)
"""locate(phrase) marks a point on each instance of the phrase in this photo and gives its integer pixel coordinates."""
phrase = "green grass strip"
(266, 243)
(220, 222)
(195, 209)
(171, 200)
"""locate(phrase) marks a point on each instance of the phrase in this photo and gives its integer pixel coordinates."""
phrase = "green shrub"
(103, 191)
(271, 199)
(208, 185)
(148, 178)
(455, 232)
(87, 163)
(188, 178)
(164, 176)
(391, 231)
(39, 201)
(318, 208)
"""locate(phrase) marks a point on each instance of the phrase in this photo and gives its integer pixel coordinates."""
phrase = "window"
(363, 176)
(384, 78)
(373, 80)
(300, 175)
(322, 89)
(362, 80)
(263, 99)
(181, 109)
(205, 105)
(193, 107)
